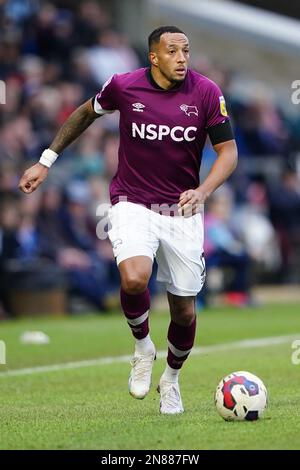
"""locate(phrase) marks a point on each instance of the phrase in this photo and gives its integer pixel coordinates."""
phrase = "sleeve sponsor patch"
(223, 109)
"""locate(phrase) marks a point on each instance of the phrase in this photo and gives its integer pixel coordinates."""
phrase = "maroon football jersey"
(162, 134)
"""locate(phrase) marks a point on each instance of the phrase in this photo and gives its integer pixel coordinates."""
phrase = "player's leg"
(135, 273)
(181, 333)
(181, 267)
(135, 300)
(134, 248)
(181, 336)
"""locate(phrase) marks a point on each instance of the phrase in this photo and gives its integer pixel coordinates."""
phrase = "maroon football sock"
(180, 341)
(136, 309)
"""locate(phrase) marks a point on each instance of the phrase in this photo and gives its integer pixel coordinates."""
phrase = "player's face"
(171, 56)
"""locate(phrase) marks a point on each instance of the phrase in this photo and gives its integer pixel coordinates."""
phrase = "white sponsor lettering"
(140, 131)
(173, 136)
(152, 134)
(186, 133)
(158, 132)
(163, 130)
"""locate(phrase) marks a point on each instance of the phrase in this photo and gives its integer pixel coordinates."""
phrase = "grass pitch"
(90, 408)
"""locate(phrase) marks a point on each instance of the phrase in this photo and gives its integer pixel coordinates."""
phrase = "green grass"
(90, 408)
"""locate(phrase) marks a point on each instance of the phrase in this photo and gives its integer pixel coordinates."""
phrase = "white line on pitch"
(243, 344)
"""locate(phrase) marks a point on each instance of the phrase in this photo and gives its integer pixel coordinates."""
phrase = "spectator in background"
(55, 34)
(81, 73)
(9, 216)
(68, 237)
(285, 215)
(20, 10)
(224, 249)
(10, 44)
(110, 148)
(23, 268)
(261, 130)
(251, 223)
(27, 235)
(49, 224)
(91, 20)
(89, 159)
(112, 55)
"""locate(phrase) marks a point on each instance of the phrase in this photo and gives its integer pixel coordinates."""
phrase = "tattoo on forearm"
(79, 120)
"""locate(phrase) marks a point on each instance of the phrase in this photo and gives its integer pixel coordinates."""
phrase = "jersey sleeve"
(215, 105)
(105, 102)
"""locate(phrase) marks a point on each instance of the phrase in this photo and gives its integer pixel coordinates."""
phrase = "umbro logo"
(188, 110)
(139, 107)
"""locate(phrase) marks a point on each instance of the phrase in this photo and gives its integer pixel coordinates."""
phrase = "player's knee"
(186, 319)
(184, 316)
(134, 284)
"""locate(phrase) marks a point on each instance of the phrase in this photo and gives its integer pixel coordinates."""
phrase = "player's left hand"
(191, 202)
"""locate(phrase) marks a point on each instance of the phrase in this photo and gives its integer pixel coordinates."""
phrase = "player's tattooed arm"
(79, 120)
(74, 126)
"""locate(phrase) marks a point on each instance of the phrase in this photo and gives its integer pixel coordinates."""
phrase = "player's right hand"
(33, 177)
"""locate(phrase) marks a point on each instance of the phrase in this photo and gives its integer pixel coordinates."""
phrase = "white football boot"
(140, 375)
(170, 398)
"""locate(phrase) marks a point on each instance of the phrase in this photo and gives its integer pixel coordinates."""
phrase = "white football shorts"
(175, 242)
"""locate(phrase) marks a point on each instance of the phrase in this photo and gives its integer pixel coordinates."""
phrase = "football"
(241, 396)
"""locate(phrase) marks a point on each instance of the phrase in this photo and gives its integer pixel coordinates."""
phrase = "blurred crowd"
(54, 58)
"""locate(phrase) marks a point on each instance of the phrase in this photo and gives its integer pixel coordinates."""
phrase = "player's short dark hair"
(154, 37)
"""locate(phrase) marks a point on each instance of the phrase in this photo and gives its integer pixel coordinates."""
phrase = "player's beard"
(178, 80)
(172, 79)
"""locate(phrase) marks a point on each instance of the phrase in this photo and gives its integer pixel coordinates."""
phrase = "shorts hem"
(131, 253)
(181, 292)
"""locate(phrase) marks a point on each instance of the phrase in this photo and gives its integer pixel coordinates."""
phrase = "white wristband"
(48, 157)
